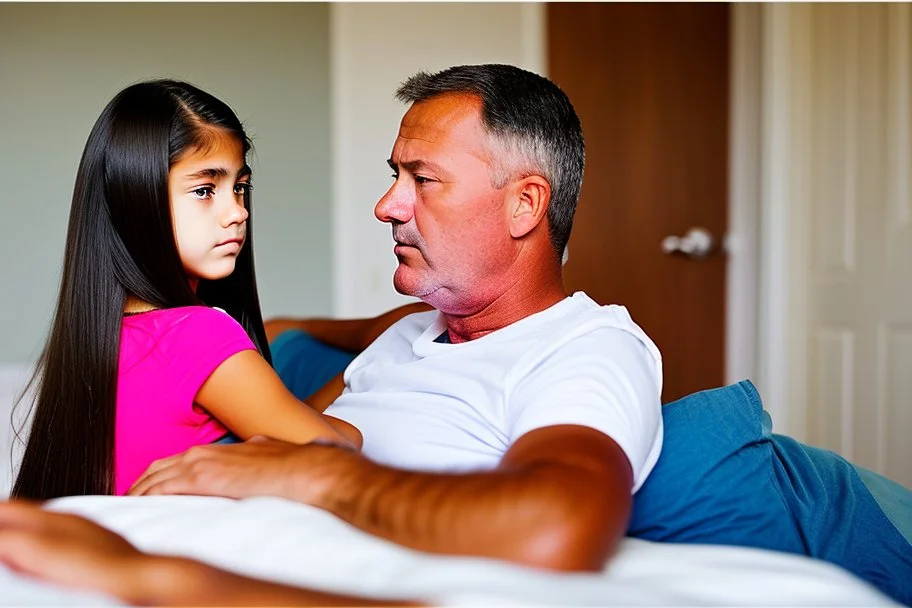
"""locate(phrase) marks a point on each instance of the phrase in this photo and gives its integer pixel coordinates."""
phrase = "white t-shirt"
(430, 406)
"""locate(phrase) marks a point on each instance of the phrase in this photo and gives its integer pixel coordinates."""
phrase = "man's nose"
(397, 204)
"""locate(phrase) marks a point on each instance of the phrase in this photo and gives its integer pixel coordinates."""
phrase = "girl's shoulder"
(184, 320)
(181, 338)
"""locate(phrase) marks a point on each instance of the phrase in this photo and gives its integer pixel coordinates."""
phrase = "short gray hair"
(532, 124)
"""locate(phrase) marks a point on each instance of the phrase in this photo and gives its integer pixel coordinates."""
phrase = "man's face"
(449, 224)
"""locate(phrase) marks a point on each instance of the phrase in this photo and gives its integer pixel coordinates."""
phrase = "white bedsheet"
(286, 542)
(283, 541)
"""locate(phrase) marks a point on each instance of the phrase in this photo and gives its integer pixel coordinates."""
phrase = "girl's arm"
(248, 397)
(328, 393)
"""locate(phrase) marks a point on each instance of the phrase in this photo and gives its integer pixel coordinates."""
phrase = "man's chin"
(405, 288)
(408, 286)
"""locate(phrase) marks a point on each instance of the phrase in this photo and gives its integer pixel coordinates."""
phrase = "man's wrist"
(322, 477)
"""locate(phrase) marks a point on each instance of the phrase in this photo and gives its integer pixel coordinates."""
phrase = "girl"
(140, 364)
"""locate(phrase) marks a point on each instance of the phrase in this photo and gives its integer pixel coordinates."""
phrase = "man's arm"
(353, 335)
(72, 551)
(560, 498)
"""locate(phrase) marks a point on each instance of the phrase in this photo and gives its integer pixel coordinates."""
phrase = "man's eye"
(421, 180)
(395, 176)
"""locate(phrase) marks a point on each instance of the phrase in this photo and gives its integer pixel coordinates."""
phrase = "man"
(517, 421)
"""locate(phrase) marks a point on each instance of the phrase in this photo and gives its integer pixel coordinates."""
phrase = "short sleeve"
(200, 342)
(606, 379)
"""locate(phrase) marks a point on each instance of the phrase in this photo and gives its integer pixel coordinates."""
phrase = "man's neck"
(517, 303)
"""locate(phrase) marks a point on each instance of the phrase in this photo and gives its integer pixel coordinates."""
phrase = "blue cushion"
(305, 364)
(724, 478)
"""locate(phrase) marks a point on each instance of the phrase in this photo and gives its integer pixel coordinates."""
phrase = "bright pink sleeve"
(165, 357)
(202, 341)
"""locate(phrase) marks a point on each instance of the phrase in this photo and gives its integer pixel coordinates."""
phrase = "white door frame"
(742, 237)
(784, 206)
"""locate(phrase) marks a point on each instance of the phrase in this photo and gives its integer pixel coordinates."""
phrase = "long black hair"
(120, 241)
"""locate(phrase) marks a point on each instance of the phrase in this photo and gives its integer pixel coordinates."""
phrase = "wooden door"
(651, 85)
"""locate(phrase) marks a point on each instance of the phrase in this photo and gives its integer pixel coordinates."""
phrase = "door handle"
(697, 243)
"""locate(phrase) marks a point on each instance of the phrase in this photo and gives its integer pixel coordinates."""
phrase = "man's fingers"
(172, 485)
(179, 461)
(146, 485)
(155, 467)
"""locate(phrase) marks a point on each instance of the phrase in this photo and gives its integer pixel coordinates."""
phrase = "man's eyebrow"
(413, 166)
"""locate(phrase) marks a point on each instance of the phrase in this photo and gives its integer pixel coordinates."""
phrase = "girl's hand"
(68, 550)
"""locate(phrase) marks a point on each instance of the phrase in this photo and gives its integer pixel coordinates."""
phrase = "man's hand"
(259, 467)
(67, 550)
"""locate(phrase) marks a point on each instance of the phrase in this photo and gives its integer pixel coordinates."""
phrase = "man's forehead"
(450, 119)
(443, 113)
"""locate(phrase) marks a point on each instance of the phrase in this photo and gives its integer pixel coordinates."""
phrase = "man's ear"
(529, 205)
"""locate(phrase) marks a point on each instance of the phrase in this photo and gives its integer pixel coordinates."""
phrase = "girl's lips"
(233, 245)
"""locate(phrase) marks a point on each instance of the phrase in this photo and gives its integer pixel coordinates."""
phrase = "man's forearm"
(543, 516)
(342, 334)
(169, 581)
(353, 335)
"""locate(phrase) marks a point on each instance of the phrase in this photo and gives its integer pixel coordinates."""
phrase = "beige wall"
(375, 46)
(61, 63)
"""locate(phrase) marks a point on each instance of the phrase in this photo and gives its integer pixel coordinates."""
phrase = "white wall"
(59, 66)
(374, 48)
(745, 148)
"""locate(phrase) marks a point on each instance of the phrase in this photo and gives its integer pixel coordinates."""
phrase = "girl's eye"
(203, 192)
(243, 187)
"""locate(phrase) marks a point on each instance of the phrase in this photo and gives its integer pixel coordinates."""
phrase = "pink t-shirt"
(165, 357)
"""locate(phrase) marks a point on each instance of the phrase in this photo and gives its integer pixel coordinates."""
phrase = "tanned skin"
(561, 496)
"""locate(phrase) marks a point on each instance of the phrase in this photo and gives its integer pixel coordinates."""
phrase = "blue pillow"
(724, 478)
(305, 364)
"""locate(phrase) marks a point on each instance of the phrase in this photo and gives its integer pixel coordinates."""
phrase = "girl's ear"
(529, 205)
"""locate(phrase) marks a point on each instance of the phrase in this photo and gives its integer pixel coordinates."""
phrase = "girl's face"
(206, 190)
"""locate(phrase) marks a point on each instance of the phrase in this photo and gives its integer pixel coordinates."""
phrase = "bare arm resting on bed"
(72, 551)
(559, 499)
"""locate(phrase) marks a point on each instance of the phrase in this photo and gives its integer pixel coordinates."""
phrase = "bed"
(278, 540)
(282, 541)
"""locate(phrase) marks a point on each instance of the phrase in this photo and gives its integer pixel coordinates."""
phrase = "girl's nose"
(237, 213)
